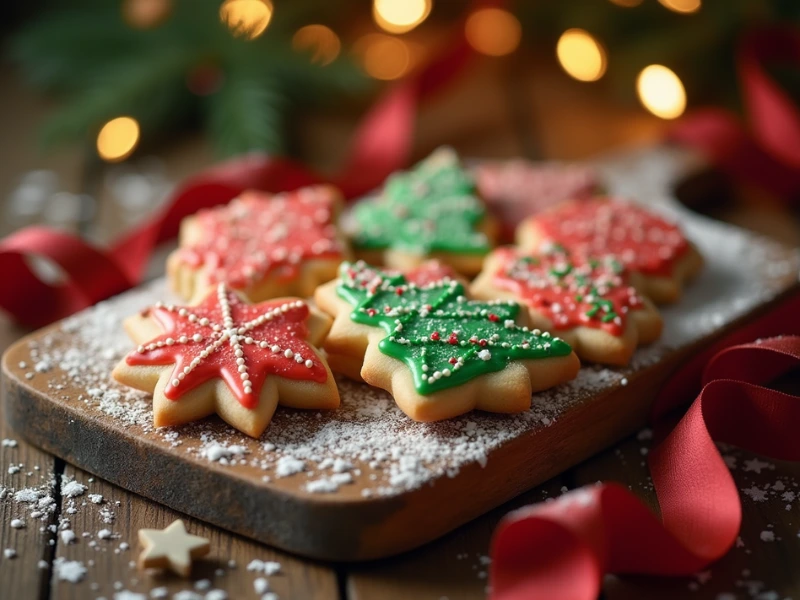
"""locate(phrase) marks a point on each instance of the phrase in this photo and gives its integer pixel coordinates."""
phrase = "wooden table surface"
(501, 110)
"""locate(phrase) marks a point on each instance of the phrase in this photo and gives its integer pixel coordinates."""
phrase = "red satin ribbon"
(766, 152)
(381, 145)
(560, 550)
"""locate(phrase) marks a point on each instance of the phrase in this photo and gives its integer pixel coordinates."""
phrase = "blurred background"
(106, 104)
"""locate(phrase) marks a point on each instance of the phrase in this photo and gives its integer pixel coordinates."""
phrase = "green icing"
(431, 208)
(445, 339)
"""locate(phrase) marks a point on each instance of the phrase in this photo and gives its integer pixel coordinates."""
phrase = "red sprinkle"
(493, 318)
(482, 342)
(452, 360)
(372, 312)
(398, 291)
(435, 336)
(453, 339)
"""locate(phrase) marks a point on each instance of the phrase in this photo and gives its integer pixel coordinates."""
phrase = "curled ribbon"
(766, 153)
(561, 550)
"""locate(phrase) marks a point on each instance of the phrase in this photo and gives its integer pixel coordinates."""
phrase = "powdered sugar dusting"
(385, 452)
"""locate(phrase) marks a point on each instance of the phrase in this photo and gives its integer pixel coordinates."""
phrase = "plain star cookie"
(171, 548)
(590, 303)
(229, 357)
(263, 245)
(432, 211)
(439, 354)
(646, 243)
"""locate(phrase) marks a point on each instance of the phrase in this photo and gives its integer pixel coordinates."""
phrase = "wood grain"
(110, 568)
(455, 566)
(31, 543)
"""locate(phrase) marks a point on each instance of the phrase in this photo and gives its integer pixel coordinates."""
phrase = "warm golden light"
(580, 55)
(246, 18)
(627, 3)
(146, 14)
(661, 92)
(383, 56)
(321, 41)
(118, 139)
(399, 16)
(682, 6)
(493, 31)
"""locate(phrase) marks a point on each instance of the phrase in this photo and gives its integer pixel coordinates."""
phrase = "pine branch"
(246, 114)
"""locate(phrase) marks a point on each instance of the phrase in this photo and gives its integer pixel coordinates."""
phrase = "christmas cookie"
(432, 211)
(346, 343)
(438, 353)
(646, 243)
(229, 357)
(263, 245)
(516, 189)
(588, 302)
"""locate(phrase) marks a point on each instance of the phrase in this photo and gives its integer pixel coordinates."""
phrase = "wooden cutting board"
(364, 481)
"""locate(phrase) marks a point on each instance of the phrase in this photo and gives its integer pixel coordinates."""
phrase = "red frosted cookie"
(646, 243)
(229, 357)
(590, 303)
(517, 189)
(262, 245)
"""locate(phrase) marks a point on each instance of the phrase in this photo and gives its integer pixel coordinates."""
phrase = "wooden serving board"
(364, 481)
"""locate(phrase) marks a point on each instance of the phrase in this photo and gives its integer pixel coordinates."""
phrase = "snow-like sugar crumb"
(71, 488)
(9, 443)
(17, 523)
(767, 536)
(68, 536)
(68, 570)
(289, 465)
(96, 498)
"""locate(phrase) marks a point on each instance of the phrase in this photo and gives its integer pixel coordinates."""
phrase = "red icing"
(534, 283)
(258, 234)
(643, 241)
(286, 329)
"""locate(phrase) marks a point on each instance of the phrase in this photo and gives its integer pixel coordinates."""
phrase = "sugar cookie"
(229, 357)
(438, 353)
(265, 246)
(590, 303)
(432, 211)
(646, 243)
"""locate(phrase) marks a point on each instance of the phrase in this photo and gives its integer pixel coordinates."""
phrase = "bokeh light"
(682, 6)
(493, 31)
(246, 18)
(383, 56)
(145, 14)
(118, 139)
(399, 16)
(321, 41)
(661, 92)
(580, 55)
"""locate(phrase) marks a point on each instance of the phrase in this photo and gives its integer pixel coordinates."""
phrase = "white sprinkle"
(68, 536)
(17, 523)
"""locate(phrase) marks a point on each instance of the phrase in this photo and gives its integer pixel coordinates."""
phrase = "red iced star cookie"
(590, 303)
(263, 245)
(643, 241)
(228, 357)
